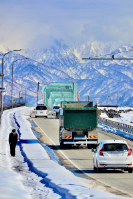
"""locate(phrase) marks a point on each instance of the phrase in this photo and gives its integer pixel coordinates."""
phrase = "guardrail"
(12, 106)
(117, 125)
(6, 107)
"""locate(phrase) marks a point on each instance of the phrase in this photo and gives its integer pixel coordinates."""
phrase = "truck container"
(77, 124)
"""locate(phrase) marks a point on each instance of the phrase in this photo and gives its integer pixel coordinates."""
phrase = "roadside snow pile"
(40, 176)
(126, 114)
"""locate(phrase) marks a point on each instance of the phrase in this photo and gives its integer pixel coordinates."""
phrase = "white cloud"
(35, 23)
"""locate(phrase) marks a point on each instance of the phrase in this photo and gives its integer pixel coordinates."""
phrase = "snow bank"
(125, 117)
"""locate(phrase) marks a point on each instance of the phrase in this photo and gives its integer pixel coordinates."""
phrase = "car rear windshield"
(41, 108)
(115, 147)
(56, 107)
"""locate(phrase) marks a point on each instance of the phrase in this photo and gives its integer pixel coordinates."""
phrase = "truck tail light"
(101, 152)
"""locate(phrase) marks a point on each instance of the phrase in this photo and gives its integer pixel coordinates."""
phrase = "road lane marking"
(104, 184)
(59, 149)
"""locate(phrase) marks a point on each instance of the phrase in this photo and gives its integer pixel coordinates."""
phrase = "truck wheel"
(78, 145)
(69, 146)
(89, 146)
(62, 146)
(130, 170)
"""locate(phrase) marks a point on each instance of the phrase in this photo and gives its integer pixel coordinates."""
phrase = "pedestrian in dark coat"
(13, 139)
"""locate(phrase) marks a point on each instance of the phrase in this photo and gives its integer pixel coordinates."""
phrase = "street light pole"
(3, 76)
(37, 91)
(12, 79)
(25, 97)
(108, 99)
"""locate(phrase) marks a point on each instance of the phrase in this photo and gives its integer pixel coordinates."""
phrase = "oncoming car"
(41, 111)
(112, 154)
(55, 110)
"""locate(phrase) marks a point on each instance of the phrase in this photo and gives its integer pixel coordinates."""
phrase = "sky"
(36, 23)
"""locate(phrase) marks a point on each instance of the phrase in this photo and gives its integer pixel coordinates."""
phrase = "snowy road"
(83, 159)
(35, 172)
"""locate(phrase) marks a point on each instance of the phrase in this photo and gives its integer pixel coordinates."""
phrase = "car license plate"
(41, 111)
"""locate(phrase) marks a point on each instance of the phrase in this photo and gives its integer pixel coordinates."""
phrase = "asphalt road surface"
(116, 181)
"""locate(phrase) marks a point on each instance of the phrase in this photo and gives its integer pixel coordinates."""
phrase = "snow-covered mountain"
(63, 63)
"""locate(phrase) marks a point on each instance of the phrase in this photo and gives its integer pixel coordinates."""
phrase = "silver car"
(112, 154)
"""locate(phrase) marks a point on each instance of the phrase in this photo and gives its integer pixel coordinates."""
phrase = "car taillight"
(36, 112)
(100, 152)
(129, 153)
(46, 112)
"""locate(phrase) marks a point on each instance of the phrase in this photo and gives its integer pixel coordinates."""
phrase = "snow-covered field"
(31, 173)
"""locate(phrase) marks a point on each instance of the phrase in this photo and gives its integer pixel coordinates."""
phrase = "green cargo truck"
(77, 124)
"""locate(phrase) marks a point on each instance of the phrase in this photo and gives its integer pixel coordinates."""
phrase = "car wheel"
(35, 116)
(46, 116)
(94, 168)
(130, 170)
(98, 169)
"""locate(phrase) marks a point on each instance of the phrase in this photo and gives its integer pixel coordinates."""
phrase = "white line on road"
(59, 149)
(81, 169)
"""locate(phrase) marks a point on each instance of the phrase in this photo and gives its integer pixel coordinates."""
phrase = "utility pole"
(108, 99)
(2, 78)
(117, 98)
(25, 97)
(37, 91)
(19, 97)
(4, 98)
(12, 78)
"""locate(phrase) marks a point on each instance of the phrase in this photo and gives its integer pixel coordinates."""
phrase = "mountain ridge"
(63, 63)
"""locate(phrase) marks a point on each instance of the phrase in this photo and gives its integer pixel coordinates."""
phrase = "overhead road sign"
(91, 58)
(110, 58)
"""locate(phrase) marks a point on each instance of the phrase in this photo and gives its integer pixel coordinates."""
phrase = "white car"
(112, 154)
(41, 111)
(55, 110)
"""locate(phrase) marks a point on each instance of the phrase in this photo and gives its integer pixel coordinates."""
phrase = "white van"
(41, 111)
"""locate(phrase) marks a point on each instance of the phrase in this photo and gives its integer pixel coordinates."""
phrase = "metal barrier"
(117, 125)
(6, 107)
